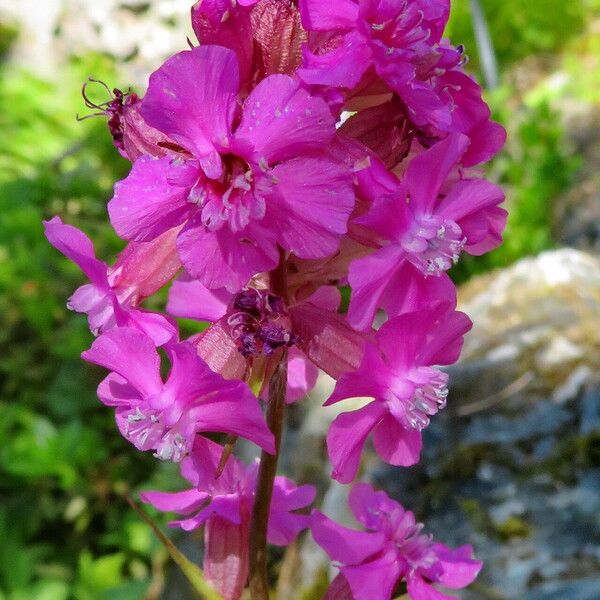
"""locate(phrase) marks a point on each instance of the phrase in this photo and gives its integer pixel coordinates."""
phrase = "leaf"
(190, 570)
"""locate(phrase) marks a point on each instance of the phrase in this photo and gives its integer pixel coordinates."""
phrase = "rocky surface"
(577, 212)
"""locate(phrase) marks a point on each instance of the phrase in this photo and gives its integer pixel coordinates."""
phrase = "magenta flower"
(395, 40)
(112, 297)
(231, 494)
(423, 228)
(393, 549)
(246, 183)
(166, 417)
(397, 372)
(368, 47)
(223, 504)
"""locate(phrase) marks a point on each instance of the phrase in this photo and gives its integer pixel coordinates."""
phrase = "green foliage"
(520, 29)
(65, 531)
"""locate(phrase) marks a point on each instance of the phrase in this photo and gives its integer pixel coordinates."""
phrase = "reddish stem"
(259, 583)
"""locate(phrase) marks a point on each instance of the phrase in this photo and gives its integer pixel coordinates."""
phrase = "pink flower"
(394, 39)
(370, 47)
(224, 495)
(423, 228)
(392, 549)
(246, 183)
(223, 503)
(397, 372)
(166, 417)
(114, 293)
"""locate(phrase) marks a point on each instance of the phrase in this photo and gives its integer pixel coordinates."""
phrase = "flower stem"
(259, 584)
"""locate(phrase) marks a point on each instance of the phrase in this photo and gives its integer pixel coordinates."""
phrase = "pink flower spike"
(112, 297)
(166, 417)
(402, 553)
(406, 388)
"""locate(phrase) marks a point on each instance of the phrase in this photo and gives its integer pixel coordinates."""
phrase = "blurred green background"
(65, 532)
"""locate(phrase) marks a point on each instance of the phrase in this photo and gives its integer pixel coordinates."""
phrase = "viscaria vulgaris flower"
(246, 181)
(221, 499)
(392, 549)
(422, 227)
(404, 385)
(112, 297)
(167, 416)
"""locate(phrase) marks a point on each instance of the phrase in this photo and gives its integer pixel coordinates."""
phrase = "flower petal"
(410, 291)
(446, 339)
(145, 205)
(323, 16)
(347, 436)
(222, 259)
(132, 355)
(428, 171)
(375, 580)
(78, 247)
(396, 445)
(185, 502)
(459, 567)
(310, 209)
(302, 376)
(235, 410)
(344, 545)
(189, 299)
(281, 120)
(370, 380)
(369, 278)
(192, 99)
(158, 328)
(114, 390)
(418, 589)
(469, 204)
(342, 67)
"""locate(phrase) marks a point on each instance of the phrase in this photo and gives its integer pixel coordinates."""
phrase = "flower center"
(230, 200)
(435, 245)
(256, 321)
(143, 428)
(429, 397)
(417, 549)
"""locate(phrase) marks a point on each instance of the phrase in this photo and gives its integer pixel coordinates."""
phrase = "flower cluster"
(301, 147)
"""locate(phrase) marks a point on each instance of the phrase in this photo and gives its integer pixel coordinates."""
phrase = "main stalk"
(259, 581)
